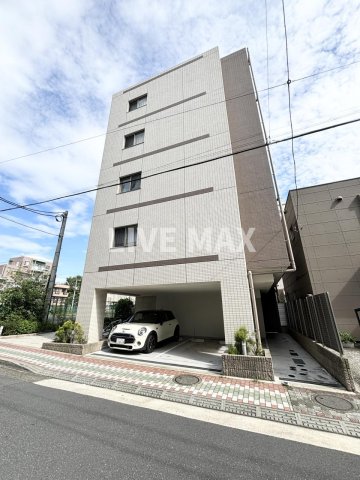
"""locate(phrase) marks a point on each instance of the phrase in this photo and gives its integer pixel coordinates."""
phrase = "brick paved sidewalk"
(266, 400)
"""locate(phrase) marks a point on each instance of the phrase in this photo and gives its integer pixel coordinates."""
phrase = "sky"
(62, 60)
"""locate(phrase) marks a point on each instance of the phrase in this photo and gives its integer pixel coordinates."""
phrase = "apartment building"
(324, 225)
(31, 266)
(189, 216)
(60, 294)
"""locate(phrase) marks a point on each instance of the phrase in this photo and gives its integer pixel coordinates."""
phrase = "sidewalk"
(265, 400)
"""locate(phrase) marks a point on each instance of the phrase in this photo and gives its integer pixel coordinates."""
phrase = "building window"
(125, 236)
(134, 138)
(130, 182)
(137, 103)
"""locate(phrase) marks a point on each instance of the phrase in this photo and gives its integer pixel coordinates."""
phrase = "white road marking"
(263, 427)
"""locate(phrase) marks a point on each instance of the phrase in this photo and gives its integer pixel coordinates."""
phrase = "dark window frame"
(129, 180)
(121, 236)
(131, 138)
(135, 103)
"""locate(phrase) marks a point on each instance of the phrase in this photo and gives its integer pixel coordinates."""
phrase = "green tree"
(124, 308)
(21, 305)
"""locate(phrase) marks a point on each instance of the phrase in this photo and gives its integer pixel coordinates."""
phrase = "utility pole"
(51, 281)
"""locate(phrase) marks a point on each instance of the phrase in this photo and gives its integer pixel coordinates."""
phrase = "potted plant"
(244, 343)
(347, 339)
(247, 359)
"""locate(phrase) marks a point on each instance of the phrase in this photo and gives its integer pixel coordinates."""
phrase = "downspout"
(254, 309)
(292, 267)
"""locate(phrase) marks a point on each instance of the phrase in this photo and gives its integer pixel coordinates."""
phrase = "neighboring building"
(60, 294)
(170, 231)
(27, 265)
(326, 244)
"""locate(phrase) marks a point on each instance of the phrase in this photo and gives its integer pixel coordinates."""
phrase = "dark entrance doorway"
(270, 311)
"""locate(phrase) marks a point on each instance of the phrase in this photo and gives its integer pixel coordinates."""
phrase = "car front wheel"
(150, 343)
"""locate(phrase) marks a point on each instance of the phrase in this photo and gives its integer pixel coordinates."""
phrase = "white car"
(144, 330)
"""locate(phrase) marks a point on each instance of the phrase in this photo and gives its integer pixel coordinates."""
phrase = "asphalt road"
(52, 434)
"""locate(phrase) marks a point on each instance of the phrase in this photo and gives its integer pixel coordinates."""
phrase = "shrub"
(70, 332)
(25, 298)
(241, 335)
(232, 350)
(14, 324)
(346, 337)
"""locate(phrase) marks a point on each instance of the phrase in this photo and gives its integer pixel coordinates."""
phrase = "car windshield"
(146, 317)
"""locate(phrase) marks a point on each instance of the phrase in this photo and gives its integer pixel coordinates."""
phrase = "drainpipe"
(292, 267)
(254, 309)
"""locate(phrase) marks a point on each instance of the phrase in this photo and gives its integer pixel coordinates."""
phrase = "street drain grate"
(333, 402)
(187, 379)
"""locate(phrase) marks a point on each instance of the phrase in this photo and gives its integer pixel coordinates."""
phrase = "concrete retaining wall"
(247, 366)
(331, 360)
(74, 348)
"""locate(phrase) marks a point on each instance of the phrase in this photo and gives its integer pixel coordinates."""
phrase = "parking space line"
(173, 348)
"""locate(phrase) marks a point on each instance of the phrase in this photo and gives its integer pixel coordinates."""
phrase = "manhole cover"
(336, 403)
(187, 379)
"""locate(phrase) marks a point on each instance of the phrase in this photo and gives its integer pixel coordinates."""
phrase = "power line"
(28, 226)
(266, 144)
(117, 130)
(326, 71)
(138, 124)
(290, 113)
(267, 68)
(38, 212)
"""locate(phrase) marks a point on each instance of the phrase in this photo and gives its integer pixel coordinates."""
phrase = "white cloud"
(11, 244)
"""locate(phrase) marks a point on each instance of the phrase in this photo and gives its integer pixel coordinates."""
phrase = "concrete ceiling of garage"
(172, 288)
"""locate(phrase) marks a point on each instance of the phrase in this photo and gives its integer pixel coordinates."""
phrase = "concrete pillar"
(91, 313)
(236, 301)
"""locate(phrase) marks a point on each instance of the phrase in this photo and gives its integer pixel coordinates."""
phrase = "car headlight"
(142, 331)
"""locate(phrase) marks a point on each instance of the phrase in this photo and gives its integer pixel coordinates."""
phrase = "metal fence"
(313, 317)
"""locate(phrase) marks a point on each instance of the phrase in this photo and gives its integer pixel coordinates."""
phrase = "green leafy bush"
(70, 332)
(232, 350)
(25, 298)
(347, 337)
(14, 324)
(240, 336)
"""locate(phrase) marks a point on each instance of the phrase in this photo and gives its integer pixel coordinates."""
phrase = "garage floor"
(205, 355)
(293, 364)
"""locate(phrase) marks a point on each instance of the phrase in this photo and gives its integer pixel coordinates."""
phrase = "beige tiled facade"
(326, 245)
(186, 122)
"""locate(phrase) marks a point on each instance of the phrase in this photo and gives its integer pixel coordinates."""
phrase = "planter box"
(74, 348)
(348, 344)
(248, 366)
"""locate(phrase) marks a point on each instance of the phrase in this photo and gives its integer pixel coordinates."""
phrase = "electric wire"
(137, 122)
(38, 212)
(28, 226)
(266, 144)
(117, 130)
(325, 71)
(267, 69)
(290, 113)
